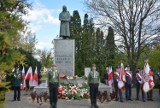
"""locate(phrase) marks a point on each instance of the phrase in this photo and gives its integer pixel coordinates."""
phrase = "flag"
(110, 77)
(29, 76)
(121, 72)
(121, 77)
(23, 79)
(13, 69)
(148, 78)
(35, 78)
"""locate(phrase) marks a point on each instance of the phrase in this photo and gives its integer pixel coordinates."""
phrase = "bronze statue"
(64, 17)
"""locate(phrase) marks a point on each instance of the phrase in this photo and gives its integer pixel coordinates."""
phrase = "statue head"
(64, 8)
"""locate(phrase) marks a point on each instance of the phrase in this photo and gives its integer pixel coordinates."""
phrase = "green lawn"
(2, 105)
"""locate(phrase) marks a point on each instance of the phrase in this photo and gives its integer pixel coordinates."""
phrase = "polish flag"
(23, 79)
(35, 78)
(110, 77)
(29, 76)
(148, 78)
(121, 77)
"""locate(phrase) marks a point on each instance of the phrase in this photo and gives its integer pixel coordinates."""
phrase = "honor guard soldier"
(128, 83)
(138, 83)
(158, 74)
(17, 81)
(106, 75)
(93, 82)
(53, 83)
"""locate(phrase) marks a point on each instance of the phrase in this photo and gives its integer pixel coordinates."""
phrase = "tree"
(11, 24)
(110, 47)
(134, 21)
(46, 58)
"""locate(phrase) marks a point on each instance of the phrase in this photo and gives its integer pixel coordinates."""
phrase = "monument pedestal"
(64, 55)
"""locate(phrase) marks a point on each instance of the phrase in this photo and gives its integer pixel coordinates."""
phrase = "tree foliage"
(90, 44)
(11, 24)
(134, 21)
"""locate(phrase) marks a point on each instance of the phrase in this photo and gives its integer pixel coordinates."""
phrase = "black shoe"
(121, 100)
(144, 100)
(96, 106)
(137, 98)
(151, 100)
(19, 99)
(92, 106)
(130, 99)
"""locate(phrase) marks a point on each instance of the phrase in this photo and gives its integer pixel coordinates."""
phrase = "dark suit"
(128, 85)
(17, 80)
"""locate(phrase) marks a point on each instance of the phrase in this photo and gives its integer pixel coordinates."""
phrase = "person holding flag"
(17, 80)
(121, 81)
(158, 74)
(115, 81)
(139, 84)
(105, 75)
(128, 83)
(147, 78)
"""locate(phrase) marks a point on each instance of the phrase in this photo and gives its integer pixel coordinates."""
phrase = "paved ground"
(26, 102)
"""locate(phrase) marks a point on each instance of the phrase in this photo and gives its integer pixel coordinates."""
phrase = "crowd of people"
(117, 81)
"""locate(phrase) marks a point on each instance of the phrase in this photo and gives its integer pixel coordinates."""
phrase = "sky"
(44, 19)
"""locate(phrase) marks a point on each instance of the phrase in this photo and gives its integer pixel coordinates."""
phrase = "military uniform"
(128, 85)
(17, 81)
(93, 81)
(53, 83)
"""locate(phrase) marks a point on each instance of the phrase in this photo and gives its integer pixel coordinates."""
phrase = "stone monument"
(64, 48)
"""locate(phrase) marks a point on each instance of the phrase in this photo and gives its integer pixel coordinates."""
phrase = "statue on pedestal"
(65, 18)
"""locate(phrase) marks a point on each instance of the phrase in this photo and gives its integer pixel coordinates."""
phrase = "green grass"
(2, 105)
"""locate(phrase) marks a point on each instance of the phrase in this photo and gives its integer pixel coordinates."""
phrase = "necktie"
(94, 74)
(53, 74)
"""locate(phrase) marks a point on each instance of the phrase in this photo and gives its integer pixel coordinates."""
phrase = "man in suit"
(53, 82)
(93, 82)
(128, 84)
(138, 82)
(17, 81)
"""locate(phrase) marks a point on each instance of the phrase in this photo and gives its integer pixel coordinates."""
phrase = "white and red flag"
(110, 76)
(147, 78)
(121, 77)
(29, 76)
(35, 78)
(23, 79)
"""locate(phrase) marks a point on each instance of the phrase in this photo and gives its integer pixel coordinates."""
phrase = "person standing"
(93, 82)
(17, 81)
(150, 93)
(128, 83)
(106, 75)
(115, 82)
(158, 74)
(53, 83)
(138, 83)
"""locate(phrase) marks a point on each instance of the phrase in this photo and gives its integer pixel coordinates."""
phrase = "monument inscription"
(64, 56)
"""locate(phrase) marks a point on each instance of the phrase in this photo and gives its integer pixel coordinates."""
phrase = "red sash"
(130, 76)
(139, 76)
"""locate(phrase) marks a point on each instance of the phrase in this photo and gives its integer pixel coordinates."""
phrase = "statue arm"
(67, 18)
